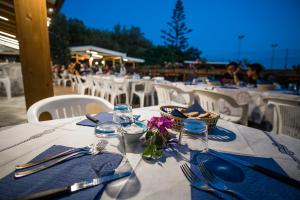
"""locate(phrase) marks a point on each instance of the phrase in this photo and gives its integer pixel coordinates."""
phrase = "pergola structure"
(97, 53)
(23, 26)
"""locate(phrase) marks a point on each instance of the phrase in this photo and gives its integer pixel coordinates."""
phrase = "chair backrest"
(65, 106)
(286, 116)
(210, 101)
(149, 86)
(164, 93)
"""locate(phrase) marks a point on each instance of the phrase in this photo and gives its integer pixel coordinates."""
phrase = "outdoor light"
(125, 59)
(48, 21)
(94, 52)
(96, 63)
(9, 44)
(50, 10)
(98, 56)
(7, 39)
(88, 51)
(7, 34)
(103, 62)
(4, 18)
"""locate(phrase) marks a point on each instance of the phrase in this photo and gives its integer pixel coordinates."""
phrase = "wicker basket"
(165, 111)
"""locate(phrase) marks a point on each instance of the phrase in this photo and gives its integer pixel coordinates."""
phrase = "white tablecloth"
(152, 181)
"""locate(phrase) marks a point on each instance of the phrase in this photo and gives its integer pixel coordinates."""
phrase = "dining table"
(150, 180)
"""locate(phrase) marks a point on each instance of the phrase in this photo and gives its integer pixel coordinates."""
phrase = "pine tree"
(176, 35)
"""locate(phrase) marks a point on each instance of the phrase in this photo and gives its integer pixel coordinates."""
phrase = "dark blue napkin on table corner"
(83, 168)
(255, 185)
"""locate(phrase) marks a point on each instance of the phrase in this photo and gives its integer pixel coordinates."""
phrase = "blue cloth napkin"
(196, 107)
(254, 184)
(102, 117)
(83, 168)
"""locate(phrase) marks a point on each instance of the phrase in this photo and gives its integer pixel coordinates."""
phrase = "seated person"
(232, 76)
(253, 73)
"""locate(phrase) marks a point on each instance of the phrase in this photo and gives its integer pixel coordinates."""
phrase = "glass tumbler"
(123, 114)
(110, 133)
(194, 134)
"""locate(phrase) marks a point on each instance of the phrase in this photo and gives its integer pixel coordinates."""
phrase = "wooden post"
(32, 32)
(77, 58)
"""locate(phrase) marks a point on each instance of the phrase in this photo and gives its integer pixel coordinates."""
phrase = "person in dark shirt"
(253, 73)
(233, 75)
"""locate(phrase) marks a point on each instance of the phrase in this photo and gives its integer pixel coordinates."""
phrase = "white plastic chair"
(147, 90)
(6, 82)
(65, 106)
(210, 101)
(66, 77)
(120, 86)
(165, 93)
(84, 86)
(286, 116)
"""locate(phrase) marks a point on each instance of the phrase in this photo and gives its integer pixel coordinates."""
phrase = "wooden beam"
(31, 18)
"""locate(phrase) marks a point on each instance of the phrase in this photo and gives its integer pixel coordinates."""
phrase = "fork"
(92, 151)
(64, 153)
(217, 184)
(196, 181)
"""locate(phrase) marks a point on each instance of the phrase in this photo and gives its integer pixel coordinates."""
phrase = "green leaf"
(159, 141)
(149, 151)
(157, 153)
(149, 134)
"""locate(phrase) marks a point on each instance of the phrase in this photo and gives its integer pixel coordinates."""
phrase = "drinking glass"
(111, 133)
(194, 134)
(123, 114)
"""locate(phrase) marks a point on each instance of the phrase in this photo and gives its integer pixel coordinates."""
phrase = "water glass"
(194, 134)
(123, 114)
(111, 133)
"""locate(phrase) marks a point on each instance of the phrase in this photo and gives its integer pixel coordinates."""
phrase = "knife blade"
(268, 172)
(51, 193)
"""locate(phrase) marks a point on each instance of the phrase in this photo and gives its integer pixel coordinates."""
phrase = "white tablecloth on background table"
(153, 181)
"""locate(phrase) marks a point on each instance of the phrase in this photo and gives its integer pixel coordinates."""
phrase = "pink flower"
(160, 123)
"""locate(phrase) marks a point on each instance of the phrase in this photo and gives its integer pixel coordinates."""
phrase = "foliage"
(157, 136)
(59, 40)
(65, 32)
(175, 36)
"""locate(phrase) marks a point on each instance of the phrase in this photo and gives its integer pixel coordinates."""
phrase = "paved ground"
(13, 111)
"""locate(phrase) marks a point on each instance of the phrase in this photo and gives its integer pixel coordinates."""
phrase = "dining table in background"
(158, 180)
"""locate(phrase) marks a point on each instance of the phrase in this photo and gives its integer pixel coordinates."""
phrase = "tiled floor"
(13, 111)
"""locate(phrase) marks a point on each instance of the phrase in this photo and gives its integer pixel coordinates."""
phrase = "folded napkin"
(102, 117)
(196, 107)
(83, 168)
(253, 185)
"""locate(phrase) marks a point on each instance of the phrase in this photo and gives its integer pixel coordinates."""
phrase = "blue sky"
(215, 23)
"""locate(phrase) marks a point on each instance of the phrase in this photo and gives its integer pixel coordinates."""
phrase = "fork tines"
(189, 174)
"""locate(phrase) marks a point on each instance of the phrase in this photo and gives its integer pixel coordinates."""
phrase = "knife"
(63, 191)
(91, 118)
(275, 175)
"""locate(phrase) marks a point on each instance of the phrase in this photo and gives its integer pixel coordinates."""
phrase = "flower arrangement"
(157, 136)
